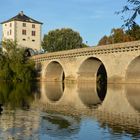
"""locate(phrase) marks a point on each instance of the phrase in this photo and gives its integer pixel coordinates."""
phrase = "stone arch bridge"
(119, 62)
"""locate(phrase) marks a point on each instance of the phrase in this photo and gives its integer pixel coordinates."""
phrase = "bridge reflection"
(53, 90)
(116, 98)
(117, 110)
(59, 110)
(90, 95)
(133, 95)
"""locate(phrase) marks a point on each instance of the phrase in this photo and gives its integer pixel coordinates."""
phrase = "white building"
(23, 29)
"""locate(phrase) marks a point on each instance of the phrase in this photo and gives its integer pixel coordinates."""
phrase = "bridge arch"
(133, 71)
(92, 69)
(54, 72)
(29, 52)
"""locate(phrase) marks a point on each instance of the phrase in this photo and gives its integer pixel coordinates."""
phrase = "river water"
(54, 111)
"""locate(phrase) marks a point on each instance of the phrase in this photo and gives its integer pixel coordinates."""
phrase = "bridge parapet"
(119, 62)
(98, 50)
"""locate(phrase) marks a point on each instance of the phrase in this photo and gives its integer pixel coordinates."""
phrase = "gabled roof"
(22, 17)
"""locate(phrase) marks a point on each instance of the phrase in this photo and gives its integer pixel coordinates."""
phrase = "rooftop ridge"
(22, 17)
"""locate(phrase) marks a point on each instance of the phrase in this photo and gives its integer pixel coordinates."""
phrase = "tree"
(22, 67)
(14, 65)
(9, 45)
(117, 36)
(104, 40)
(134, 32)
(5, 71)
(84, 45)
(62, 39)
(130, 11)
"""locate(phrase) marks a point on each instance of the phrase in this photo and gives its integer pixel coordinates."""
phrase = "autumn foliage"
(119, 35)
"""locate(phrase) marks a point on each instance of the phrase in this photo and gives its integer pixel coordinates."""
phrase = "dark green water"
(52, 111)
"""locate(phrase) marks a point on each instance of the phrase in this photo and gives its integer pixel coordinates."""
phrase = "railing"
(98, 50)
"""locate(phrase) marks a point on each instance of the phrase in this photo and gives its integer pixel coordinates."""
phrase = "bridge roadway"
(119, 62)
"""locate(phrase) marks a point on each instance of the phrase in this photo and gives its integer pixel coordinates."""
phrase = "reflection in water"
(1, 109)
(53, 90)
(16, 95)
(17, 121)
(90, 95)
(133, 95)
(60, 126)
(117, 116)
(19, 124)
(101, 90)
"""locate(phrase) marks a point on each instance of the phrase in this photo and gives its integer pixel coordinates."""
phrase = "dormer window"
(24, 24)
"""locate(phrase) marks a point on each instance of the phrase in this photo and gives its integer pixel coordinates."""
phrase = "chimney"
(21, 13)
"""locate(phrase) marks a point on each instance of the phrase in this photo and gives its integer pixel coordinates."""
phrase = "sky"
(91, 18)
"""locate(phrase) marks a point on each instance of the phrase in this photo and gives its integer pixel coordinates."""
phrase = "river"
(54, 111)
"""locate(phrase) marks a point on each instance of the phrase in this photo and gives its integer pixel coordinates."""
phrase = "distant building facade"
(23, 29)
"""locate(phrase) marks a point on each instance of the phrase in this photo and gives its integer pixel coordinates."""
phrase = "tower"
(23, 29)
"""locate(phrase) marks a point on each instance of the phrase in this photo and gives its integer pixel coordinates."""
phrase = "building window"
(33, 33)
(10, 24)
(33, 40)
(5, 24)
(24, 39)
(24, 24)
(24, 32)
(10, 32)
(33, 25)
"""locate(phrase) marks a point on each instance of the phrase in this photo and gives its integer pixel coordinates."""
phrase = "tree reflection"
(56, 125)
(16, 95)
